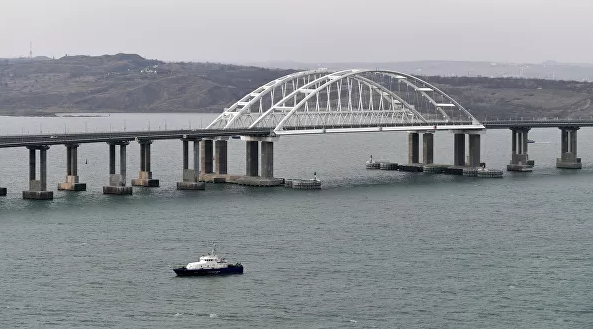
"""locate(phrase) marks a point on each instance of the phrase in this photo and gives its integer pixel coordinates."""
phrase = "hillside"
(130, 83)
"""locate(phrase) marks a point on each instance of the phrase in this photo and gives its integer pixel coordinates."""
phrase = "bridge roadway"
(559, 123)
(80, 138)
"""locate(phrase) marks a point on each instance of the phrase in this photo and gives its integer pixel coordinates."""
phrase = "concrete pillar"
(196, 159)
(267, 159)
(524, 140)
(112, 159)
(32, 164)
(117, 182)
(191, 176)
(72, 183)
(413, 148)
(122, 164)
(206, 156)
(38, 188)
(74, 159)
(43, 167)
(474, 150)
(568, 153)
(519, 157)
(428, 148)
(145, 175)
(142, 157)
(251, 160)
(514, 142)
(220, 155)
(459, 149)
(185, 154)
(68, 160)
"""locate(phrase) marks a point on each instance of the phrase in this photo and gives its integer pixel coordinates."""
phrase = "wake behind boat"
(209, 264)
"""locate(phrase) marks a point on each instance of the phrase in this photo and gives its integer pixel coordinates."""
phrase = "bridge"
(308, 102)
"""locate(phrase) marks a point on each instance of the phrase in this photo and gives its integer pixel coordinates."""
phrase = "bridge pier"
(72, 183)
(459, 149)
(568, 155)
(251, 159)
(413, 147)
(519, 158)
(474, 150)
(38, 187)
(145, 175)
(207, 162)
(428, 148)
(190, 176)
(267, 159)
(117, 182)
(220, 156)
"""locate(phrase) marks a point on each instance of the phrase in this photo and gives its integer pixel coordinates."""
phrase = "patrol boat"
(209, 264)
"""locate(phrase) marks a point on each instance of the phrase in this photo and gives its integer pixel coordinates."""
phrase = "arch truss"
(320, 101)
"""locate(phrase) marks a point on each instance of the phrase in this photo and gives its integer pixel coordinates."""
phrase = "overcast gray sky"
(302, 30)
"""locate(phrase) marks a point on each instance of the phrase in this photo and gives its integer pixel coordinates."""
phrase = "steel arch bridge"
(322, 101)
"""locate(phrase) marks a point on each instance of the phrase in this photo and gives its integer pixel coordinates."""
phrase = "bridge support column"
(474, 150)
(117, 182)
(190, 176)
(72, 183)
(251, 159)
(38, 187)
(145, 175)
(413, 147)
(519, 157)
(206, 156)
(220, 156)
(428, 148)
(459, 149)
(568, 154)
(267, 159)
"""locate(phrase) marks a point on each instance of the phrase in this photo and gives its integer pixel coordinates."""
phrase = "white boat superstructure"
(210, 261)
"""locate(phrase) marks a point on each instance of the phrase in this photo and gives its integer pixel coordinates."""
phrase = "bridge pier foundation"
(72, 183)
(520, 158)
(38, 187)
(428, 148)
(117, 182)
(190, 176)
(413, 147)
(568, 154)
(145, 174)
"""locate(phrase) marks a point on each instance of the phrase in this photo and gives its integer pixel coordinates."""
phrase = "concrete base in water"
(145, 179)
(259, 181)
(216, 178)
(412, 167)
(519, 168)
(192, 186)
(38, 195)
(72, 184)
(2, 191)
(117, 190)
(568, 161)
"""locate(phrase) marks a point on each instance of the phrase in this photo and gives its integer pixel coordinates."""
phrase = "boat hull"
(182, 271)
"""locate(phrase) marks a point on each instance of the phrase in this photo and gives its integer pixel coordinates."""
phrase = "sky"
(311, 31)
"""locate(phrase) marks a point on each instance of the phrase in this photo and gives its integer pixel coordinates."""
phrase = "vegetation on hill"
(130, 83)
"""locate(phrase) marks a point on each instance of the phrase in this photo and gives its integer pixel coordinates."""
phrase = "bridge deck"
(80, 138)
(506, 124)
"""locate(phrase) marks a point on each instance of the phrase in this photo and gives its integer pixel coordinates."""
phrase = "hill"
(131, 83)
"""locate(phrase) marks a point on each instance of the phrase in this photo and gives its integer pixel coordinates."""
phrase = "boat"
(209, 264)
(530, 141)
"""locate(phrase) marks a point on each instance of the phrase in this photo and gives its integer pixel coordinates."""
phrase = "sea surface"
(372, 249)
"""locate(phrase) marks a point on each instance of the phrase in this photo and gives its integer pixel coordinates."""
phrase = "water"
(373, 249)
